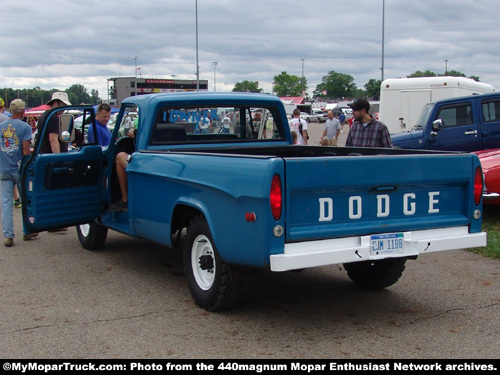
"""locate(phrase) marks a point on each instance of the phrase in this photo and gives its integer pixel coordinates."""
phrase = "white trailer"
(402, 99)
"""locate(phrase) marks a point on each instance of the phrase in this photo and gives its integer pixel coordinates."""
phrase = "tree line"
(333, 86)
(35, 97)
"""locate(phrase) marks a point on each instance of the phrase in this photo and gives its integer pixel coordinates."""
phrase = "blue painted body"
(368, 193)
(471, 123)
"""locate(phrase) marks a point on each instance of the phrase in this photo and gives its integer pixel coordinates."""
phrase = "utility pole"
(135, 59)
(214, 64)
(303, 77)
(383, 41)
(197, 64)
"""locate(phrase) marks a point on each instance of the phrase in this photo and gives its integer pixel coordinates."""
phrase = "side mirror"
(66, 128)
(437, 125)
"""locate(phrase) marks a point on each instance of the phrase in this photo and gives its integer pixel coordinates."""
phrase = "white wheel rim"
(202, 247)
(85, 229)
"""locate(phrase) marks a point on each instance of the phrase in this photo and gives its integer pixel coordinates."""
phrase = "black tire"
(209, 278)
(377, 274)
(92, 236)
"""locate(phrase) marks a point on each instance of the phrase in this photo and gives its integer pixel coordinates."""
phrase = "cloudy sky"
(58, 43)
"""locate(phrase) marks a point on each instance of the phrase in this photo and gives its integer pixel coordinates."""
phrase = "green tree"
(419, 73)
(372, 88)
(78, 94)
(455, 73)
(285, 84)
(36, 96)
(94, 97)
(452, 73)
(336, 85)
(247, 86)
(33, 97)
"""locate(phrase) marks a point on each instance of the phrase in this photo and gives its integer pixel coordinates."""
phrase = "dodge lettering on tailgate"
(383, 206)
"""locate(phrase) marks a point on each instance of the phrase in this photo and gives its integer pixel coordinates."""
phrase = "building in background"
(120, 88)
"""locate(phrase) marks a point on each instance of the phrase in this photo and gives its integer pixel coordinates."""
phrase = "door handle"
(63, 170)
(471, 132)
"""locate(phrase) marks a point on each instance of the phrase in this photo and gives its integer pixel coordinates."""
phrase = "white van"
(402, 99)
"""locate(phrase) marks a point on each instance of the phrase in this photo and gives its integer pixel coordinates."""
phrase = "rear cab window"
(216, 124)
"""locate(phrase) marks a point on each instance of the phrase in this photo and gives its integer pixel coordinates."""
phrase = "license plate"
(390, 243)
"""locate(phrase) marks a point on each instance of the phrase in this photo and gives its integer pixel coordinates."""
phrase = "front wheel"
(377, 274)
(209, 278)
(92, 236)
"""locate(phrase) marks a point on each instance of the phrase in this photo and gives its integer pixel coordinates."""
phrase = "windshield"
(424, 115)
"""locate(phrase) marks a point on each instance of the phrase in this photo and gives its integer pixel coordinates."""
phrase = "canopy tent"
(37, 111)
(293, 100)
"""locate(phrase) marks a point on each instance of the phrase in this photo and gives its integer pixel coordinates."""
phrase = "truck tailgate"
(358, 195)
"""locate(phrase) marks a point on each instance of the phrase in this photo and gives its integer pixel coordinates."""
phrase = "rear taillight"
(478, 186)
(276, 197)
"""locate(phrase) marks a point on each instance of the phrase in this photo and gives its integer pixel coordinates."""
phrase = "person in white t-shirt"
(299, 126)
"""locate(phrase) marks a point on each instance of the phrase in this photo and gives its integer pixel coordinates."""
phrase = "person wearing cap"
(50, 144)
(15, 139)
(365, 130)
(3, 117)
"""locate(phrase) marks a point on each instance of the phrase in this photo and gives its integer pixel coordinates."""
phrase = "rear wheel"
(209, 278)
(377, 274)
(92, 236)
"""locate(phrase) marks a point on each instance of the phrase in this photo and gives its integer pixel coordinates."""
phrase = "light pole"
(446, 67)
(302, 77)
(214, 64)
(197, 65)
(383, 41)
(135, 59)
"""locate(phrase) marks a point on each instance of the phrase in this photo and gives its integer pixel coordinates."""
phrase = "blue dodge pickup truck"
(469, 123)
(220, 171)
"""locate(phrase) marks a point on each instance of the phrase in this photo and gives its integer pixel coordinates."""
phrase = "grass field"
(491, 225)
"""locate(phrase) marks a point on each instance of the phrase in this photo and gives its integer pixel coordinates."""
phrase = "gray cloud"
(56, 43)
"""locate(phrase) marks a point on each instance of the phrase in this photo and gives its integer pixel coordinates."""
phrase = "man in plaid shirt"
(365, 130)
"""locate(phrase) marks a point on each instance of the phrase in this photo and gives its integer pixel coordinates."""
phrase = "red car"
(490, 162)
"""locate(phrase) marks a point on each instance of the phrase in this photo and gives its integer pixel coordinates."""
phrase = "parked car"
(321, 115)
(490, 161)
(308, 117)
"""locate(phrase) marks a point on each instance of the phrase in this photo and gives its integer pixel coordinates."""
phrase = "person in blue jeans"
(15, 139)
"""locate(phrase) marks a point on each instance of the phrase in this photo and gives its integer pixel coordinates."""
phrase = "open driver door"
(62, 189)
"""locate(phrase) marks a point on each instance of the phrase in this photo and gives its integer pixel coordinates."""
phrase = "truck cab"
(470, 123)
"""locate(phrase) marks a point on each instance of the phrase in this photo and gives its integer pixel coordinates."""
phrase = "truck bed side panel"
(223, 188)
